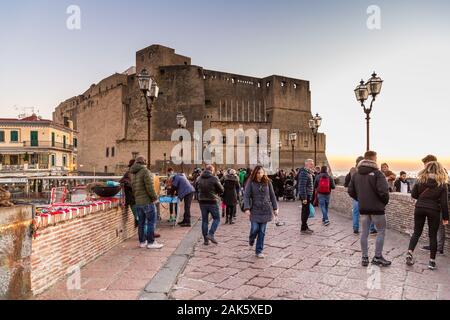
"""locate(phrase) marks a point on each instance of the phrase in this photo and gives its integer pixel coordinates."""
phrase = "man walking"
(370, 188)
(145, 197)
(305, 191)
(209, 191)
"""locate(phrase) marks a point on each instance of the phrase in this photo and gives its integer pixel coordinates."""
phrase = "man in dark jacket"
(402, 185)
(145, 197)
(305, 188)
(209, 191)
(125, 182)
(230, 196)
(369, 187)
(185, 192)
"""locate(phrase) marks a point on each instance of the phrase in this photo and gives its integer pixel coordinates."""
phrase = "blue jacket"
(305, 185)
(182, 185)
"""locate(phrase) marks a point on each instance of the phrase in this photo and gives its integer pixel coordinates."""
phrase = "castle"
(112, 122)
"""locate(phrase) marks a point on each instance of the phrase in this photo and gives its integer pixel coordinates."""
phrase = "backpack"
(324, 185)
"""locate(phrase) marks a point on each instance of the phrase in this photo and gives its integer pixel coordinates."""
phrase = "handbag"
(312, 211)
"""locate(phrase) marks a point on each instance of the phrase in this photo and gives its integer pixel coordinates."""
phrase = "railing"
(31, 167)
(48, 144)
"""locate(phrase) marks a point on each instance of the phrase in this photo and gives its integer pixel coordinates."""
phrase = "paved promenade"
(325, 265)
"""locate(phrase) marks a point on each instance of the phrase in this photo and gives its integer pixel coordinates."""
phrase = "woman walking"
(323, 186)
(259, 203)
(231, 186)
(431, 194)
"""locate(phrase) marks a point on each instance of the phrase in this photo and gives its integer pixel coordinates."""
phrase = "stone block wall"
(61, 248)
(399, 213)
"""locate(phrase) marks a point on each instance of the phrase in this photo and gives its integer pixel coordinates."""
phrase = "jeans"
(324, 202)
(147, 216)
(258, 232)
(434, 219)
(187, 207)
(356, 217)
(380, 223)
(206, 209)
(173, 207)
(305, 216)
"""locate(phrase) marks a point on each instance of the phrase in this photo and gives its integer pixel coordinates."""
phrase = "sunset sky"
(326, 42)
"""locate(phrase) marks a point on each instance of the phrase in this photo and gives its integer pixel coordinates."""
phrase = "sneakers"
(260, 256)
(432, 265)
(307, 231)
(185, 225)
(251, 242)
(380, 261)
(212, 239)
(409, 259)
(365, 261)
(206, 242)
(143, 244)
(155, 245)
(326, 223)
(356, 231)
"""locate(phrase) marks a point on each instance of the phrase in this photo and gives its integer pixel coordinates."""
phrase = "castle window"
(106, 169)
(268, 84)
(259, 84)
(162, 71)
(107, 152)
(113, 151)
(232, 80)
(295, 86)
(283, 83)
(185, 63)
(208, 102)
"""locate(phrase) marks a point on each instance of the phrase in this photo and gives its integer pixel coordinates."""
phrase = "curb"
(160, 286)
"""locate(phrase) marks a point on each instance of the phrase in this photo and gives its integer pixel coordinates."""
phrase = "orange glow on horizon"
(343, 163)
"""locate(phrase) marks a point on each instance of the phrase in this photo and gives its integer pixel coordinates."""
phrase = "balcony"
(30, 167)
(48, 144)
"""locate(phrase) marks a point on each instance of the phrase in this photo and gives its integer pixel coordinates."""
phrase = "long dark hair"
(253, 176)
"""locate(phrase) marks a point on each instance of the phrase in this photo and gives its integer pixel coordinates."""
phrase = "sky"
(328, 43)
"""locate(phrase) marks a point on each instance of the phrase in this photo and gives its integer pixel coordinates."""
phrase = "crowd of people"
(257, 194)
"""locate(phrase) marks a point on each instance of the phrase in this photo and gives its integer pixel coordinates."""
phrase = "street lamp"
(181, 122)
(370, 88)
(314, 125)
(150, 89)
(293, 140)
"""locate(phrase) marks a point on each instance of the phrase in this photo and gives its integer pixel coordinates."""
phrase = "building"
(112, 122)
(32, 146)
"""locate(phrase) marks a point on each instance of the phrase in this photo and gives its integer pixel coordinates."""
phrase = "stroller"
(289, 190)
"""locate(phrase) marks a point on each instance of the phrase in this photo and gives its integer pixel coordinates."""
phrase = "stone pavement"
(123, 272)
(326, 265)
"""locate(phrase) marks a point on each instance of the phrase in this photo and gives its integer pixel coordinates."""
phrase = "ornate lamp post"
(371, 88)
(150, 90)
(314, 125)
(181, 122)
(293, 140)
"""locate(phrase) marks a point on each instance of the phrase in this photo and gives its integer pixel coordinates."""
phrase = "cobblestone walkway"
(325, 265)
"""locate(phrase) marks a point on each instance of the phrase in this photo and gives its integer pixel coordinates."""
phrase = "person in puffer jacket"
(209, 191)
(369, 187)
(431, 193)
(305, 192)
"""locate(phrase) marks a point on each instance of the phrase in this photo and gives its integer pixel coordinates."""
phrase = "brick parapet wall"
(399, 212)
(59, 249)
